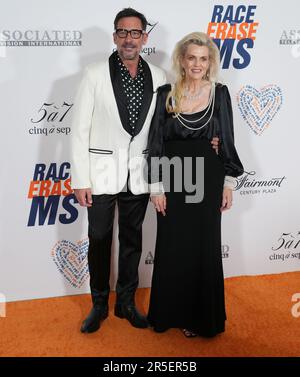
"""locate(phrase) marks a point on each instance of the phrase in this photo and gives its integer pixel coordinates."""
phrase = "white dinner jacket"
(102, 151)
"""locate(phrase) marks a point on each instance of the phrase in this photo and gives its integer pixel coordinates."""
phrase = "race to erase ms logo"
(233, 29)
(51, 195)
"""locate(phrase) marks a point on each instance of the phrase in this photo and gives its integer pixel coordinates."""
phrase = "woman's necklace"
(211, 105)
(197, 95)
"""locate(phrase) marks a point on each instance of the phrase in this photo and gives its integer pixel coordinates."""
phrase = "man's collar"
(120, 61)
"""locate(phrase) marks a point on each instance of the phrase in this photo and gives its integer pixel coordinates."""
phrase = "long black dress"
(188, 283)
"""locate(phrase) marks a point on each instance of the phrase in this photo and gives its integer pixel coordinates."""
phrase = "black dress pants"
(132, 209)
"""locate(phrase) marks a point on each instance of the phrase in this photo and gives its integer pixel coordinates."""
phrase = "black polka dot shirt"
(134, 91)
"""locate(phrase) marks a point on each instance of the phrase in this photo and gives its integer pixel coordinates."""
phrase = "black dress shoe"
(131, 313)
(159, 329)
(93, 320)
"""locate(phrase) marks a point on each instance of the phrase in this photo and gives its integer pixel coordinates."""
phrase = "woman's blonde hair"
(199, 39)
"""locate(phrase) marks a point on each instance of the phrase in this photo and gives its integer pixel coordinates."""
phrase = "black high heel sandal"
(189, 334)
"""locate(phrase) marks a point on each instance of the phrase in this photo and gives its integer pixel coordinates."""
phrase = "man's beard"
(126, 55)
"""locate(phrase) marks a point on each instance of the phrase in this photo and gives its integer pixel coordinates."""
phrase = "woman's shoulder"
(222, 91)
(164, 89)
(221, 87)
(222, 95)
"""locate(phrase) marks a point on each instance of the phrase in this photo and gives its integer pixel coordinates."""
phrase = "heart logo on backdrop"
(71, 261)
(258, 107)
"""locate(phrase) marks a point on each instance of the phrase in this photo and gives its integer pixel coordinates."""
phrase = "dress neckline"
(195, 112)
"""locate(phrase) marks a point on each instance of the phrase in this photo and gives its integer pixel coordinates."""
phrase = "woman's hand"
(215, 144)
(227, 199)
(160, 203)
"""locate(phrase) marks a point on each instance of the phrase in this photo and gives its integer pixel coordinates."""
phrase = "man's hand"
(227, 199)
(84, 197)
(215, 144)
(160, 203)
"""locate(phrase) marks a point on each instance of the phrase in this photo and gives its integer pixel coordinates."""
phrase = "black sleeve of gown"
(156, 137)
(228, 154)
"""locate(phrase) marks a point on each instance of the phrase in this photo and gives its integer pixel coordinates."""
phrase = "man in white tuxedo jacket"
(112, 115)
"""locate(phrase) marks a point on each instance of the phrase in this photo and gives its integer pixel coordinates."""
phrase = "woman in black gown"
(188, 284)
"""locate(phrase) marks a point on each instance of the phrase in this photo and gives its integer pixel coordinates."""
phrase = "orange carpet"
(260, 323)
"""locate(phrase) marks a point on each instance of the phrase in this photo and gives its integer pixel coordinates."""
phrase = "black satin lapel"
(119, 95)
(147, 98)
